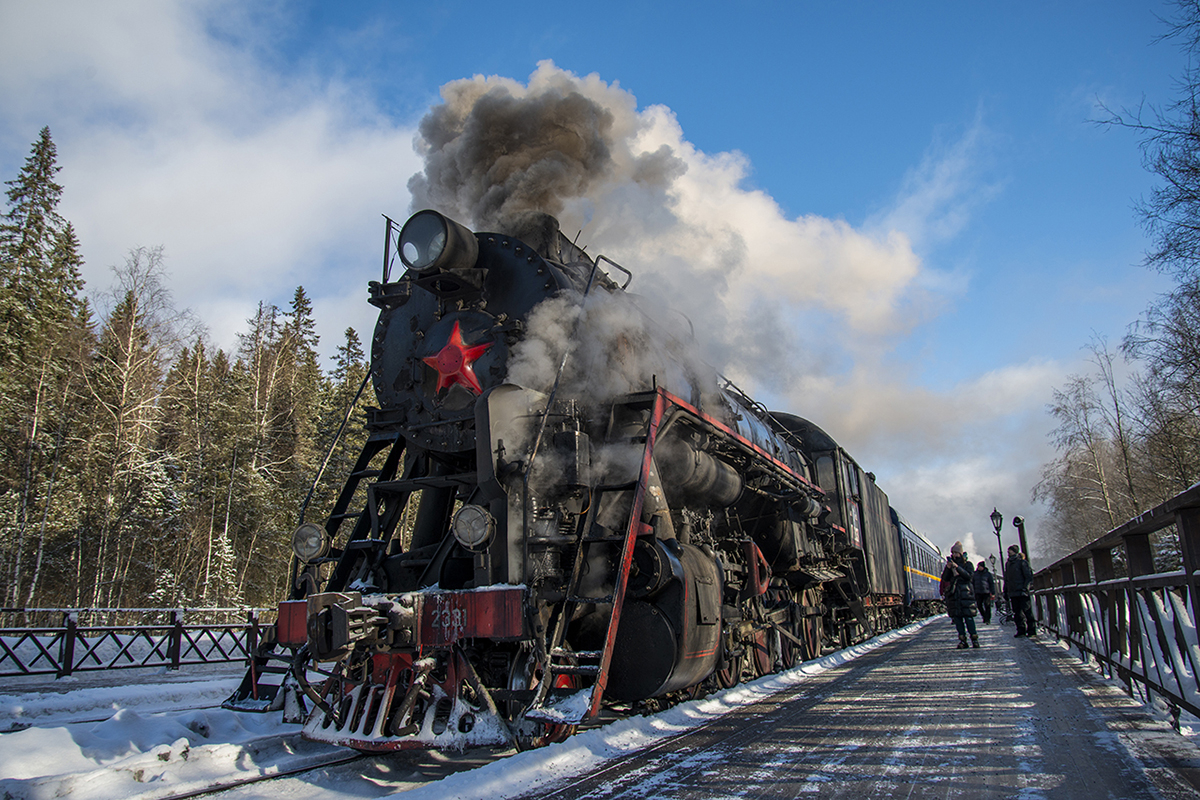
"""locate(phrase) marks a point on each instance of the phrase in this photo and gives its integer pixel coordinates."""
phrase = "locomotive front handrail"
(628, 274)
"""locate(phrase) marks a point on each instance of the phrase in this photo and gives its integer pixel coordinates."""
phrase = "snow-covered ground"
(148, 746)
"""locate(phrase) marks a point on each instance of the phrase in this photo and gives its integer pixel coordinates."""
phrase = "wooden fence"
(1110, 600)
(64, 641)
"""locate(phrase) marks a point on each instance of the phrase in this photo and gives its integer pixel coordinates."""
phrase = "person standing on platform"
(1017, 577)
(959, 594)
(985, 591)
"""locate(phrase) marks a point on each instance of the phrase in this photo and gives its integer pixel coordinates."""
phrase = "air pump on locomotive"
(507, 561)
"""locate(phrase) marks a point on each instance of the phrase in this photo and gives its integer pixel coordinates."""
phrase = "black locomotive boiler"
(559, 511)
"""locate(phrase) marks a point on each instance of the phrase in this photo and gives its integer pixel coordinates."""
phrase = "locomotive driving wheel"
(787, 648)
(760, 644)
(525, 673)
(730, 674)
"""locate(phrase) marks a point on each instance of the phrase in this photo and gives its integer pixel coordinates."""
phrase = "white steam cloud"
(725, 256)
(803, 312)
(615, 349)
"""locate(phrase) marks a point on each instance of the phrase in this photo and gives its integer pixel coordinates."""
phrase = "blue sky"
(936, 226)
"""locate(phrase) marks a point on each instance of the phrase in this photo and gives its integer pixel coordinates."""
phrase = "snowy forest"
(142, 467)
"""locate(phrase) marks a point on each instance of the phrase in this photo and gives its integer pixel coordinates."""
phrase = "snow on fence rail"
(1109, 600)
(62, 641)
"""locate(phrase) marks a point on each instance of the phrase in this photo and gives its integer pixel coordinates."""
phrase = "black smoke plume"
(491, 156)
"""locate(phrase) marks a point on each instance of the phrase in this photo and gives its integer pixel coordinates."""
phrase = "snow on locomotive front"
(555, 507)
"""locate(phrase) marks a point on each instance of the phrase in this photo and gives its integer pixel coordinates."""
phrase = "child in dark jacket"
(985, 590)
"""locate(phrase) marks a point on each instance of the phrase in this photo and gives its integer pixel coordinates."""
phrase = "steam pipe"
(697, 474)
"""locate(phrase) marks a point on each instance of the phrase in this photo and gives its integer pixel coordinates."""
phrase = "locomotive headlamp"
(430, 243)
(473, 527)
(310, 542)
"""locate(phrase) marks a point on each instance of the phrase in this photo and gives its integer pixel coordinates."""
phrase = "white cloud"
(938, 197)
(942, 456)
(167, 134)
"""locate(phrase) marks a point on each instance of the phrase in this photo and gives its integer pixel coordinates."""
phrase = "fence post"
(66, 647)
(175, 643)
(1078, 622)
(1102, 562)
(1139, 554)
(1187, 525)
(251, 636)
(1139, 558)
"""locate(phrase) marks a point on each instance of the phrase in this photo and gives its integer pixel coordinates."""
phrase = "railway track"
(224, 788)
(182, 770)
(340, 773)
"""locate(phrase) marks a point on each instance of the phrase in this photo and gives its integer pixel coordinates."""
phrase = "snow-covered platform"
(904, 715)
(916, 717)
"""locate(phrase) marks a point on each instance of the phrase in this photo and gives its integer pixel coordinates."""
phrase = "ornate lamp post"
(997, 522)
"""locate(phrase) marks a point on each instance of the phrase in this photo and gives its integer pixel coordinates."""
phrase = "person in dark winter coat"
(959, 594)
(985, 591)
(1017, 577)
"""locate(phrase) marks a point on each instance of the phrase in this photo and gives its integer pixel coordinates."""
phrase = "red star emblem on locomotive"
(454, 362)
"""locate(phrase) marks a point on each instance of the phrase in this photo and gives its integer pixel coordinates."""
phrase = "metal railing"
(1141, 627)
(64, 641)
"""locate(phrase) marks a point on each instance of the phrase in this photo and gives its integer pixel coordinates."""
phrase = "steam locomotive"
(561, 512)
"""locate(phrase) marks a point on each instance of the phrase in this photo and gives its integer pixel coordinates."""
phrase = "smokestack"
(537, 229)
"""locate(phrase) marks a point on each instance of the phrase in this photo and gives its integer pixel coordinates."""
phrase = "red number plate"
(447, 617)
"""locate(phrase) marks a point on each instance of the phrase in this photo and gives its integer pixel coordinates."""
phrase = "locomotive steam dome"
(447, 325)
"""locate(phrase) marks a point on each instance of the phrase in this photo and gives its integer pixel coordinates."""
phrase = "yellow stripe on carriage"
(923, 574)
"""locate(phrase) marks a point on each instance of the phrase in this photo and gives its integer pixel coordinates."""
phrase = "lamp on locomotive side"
(310, 542)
